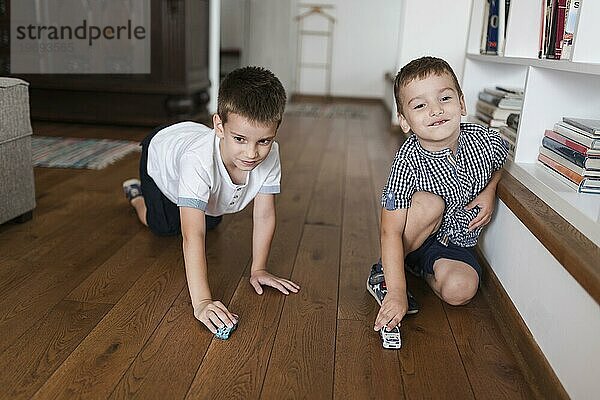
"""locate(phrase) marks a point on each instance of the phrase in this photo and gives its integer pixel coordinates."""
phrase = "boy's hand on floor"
(214, 315)
(486, 200)
(393, 308)
(261, 277)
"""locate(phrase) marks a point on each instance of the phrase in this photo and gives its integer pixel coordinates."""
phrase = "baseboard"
(330, 99)
(530, 357)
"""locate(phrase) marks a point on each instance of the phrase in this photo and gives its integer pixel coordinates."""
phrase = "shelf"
(582, 210)
(557, 65)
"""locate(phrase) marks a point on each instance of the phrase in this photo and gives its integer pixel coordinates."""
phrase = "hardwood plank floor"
(92, 305)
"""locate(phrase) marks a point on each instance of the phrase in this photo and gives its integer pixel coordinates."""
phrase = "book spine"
(561, 15)
(579, 125)
(567, 142)
(561, 169)
(484, 30)
(564, 151)
(549, 48)
(501, 26)
(492, 36)
(489, 98)
(570, 30)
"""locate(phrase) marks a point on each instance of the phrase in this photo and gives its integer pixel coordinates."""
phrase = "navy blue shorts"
(163, 215)
(431, 250)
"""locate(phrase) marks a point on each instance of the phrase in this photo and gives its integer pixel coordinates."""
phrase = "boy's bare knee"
(459, 290)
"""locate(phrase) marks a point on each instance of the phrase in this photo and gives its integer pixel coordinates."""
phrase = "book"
(571, 143)
(494, 123)
(570, 29)
(511, 89)
(484, 30)
(546, 27)
(501, 26)
(564, 171)
(493, 111)
(577, 158)
(551, 37)
(588, 125)
(509, 132)
(561, 14)
(577, 135)
(547, 162)
(568, 164)
(491, 46)
(590, 185)
(510, 103)
(502, 93)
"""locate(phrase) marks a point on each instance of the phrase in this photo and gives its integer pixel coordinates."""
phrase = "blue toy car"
(224, 332)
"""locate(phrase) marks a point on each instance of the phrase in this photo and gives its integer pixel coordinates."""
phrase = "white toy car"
(390, 339)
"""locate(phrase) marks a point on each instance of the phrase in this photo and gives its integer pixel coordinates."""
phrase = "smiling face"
(243, 145)
(431, 108)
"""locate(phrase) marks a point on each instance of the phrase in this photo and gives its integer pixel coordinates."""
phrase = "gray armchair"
(17, 193)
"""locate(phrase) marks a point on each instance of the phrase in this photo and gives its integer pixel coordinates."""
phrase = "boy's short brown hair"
(254, 93)
(421, 68)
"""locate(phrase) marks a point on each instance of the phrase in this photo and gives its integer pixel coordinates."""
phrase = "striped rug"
(60, 152)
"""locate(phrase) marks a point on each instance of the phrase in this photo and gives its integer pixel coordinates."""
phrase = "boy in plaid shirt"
(439, 194)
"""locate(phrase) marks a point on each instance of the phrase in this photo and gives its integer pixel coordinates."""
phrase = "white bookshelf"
(553, 89)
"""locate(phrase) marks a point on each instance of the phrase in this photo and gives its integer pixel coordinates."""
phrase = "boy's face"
(431, 108)
(244, 145)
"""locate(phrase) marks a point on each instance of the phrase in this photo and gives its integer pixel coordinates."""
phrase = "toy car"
(224, 332)
(390, 339)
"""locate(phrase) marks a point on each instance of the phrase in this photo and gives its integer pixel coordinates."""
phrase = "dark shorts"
(162, 215)
(431, 250)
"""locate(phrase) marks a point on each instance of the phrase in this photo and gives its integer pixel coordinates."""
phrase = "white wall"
(434, 27)
(562, 317)
(364, 45)
(270, 40)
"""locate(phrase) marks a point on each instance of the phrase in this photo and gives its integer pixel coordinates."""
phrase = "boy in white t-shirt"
(191, 175)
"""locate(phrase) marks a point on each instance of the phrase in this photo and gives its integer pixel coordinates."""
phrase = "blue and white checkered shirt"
(457, 178)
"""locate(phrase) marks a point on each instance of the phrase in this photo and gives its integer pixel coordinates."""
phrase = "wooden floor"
(92, 305)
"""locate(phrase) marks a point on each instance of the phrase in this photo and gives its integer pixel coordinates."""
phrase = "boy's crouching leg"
(423, 219)
(455, 282)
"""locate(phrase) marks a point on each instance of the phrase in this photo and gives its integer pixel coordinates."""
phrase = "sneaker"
(376, 286)
(132, 189)
(414, 270)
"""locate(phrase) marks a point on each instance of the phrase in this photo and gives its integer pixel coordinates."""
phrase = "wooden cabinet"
(176, 87)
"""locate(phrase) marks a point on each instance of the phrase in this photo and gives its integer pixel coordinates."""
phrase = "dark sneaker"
(376, 286)
(132, 189)
(414, 270)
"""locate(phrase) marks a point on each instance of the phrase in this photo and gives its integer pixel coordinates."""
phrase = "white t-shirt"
(185, 162)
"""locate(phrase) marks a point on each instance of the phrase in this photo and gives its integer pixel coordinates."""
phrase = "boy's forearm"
(493, 183)
(262, 236)
(196, 269)
(392, 250)
(392, 257)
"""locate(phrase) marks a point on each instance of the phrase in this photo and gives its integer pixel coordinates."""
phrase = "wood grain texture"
(576, 253)
(131, 333)
(428, 336)
(301, 363)
(363, 368)
(34, 357)
(96, 366)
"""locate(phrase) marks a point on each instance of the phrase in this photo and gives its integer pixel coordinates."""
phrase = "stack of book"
(571, 150)
(499, 104)
(558, 28)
